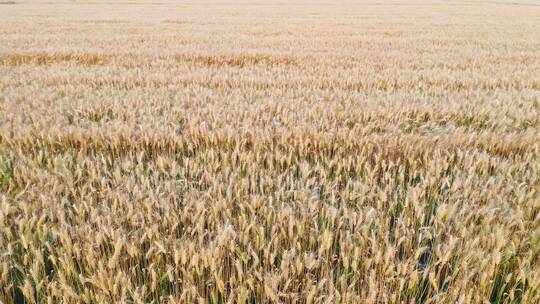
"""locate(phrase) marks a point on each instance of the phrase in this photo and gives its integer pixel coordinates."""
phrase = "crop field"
(270, 151)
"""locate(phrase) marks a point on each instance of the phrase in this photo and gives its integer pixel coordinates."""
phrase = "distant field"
(270, 152)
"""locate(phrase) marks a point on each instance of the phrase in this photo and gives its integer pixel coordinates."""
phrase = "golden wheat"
(270, 152)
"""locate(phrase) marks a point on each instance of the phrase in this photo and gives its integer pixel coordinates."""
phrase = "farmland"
(270, 152)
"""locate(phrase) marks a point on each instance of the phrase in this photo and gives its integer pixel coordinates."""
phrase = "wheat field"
(270, 151)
